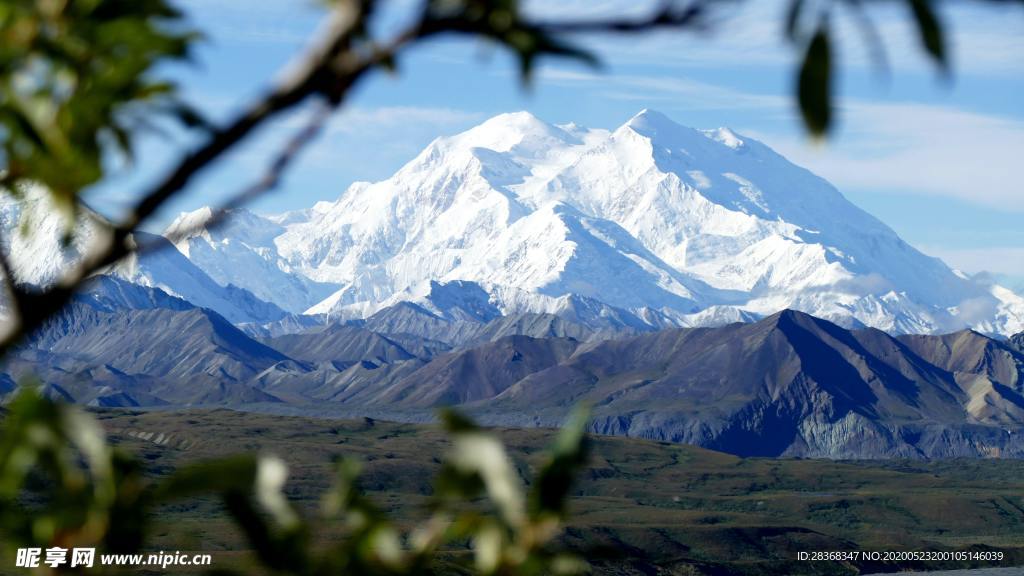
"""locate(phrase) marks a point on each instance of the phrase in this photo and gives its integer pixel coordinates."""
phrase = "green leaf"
(550, 490)
(482, 454)
(279, 550)
(129, 516)
(67, 447)
(478, 459)
(455, 422)
(488, 543)
(814, 84)
(73, 75)
(251, 489)
(930, 29)
(340, 497)
(271, 475)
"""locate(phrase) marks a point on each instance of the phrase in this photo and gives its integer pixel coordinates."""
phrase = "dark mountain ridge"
(789, 385)
(1017, 341)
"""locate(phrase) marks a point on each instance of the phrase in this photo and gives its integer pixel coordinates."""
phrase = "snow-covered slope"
(660, 222)
(167, 269)
(33, 230)
(242, 253)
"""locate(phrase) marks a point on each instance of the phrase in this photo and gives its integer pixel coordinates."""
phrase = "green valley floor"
(641, 507)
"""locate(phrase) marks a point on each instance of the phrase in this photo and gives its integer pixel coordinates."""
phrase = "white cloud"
(1007, 260)
(693, 94)
(746, 34)
(362, 140)
(360, 121)
(245, 22)
(919, 149)
(1002, 265)
(394, 134)
(749, 34)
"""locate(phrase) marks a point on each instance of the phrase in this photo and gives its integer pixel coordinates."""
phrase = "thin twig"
(668, 16)
(270, 180)
(329, 70)
(873, 40)
(316, 74)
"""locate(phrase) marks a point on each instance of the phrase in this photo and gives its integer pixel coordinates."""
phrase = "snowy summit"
(652, 223)
(672, 225)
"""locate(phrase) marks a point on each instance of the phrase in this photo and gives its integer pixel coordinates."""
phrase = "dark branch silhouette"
(344, 55)
(329, 70)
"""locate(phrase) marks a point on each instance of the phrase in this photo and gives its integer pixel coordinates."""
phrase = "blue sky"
(934, 159)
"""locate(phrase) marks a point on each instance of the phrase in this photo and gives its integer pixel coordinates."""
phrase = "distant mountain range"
(653, 223)
(789, 384)
(520, 268)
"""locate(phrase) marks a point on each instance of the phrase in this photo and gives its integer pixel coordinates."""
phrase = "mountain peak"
(656, 219)
(522, 124)
(652, 123)
(660, 128)
(789, 316)
(649, 117)
(522, 119)
(1017, 341)
(189, 223)
(238, 223)
(521, 133)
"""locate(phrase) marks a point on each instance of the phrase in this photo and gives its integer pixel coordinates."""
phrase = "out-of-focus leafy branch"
(62, 485)
(808, 25)
(76, 84)
(342, 57)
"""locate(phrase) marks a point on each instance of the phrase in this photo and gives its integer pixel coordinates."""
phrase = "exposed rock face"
(789, 385)
(1017, 340)
(175, 354)
(341, 343)
(412, 319)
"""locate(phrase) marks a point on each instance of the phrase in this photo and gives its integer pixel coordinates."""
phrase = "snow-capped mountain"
(669, 224)
(242, 252)
(33, 230)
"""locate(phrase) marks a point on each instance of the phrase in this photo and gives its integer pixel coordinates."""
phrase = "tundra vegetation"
(79, 82)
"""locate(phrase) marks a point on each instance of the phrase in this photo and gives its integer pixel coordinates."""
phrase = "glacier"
(673, 225)
(652, 224)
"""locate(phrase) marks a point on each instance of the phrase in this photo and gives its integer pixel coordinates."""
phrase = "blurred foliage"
(62, 485)
(76, 84)
(808, 25)
(77, 76)
(502, 22)
(79, 80)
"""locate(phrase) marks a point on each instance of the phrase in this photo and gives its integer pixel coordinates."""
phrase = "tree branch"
(668, 16)
(325, 69)
(329, 70)
(269, 181)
